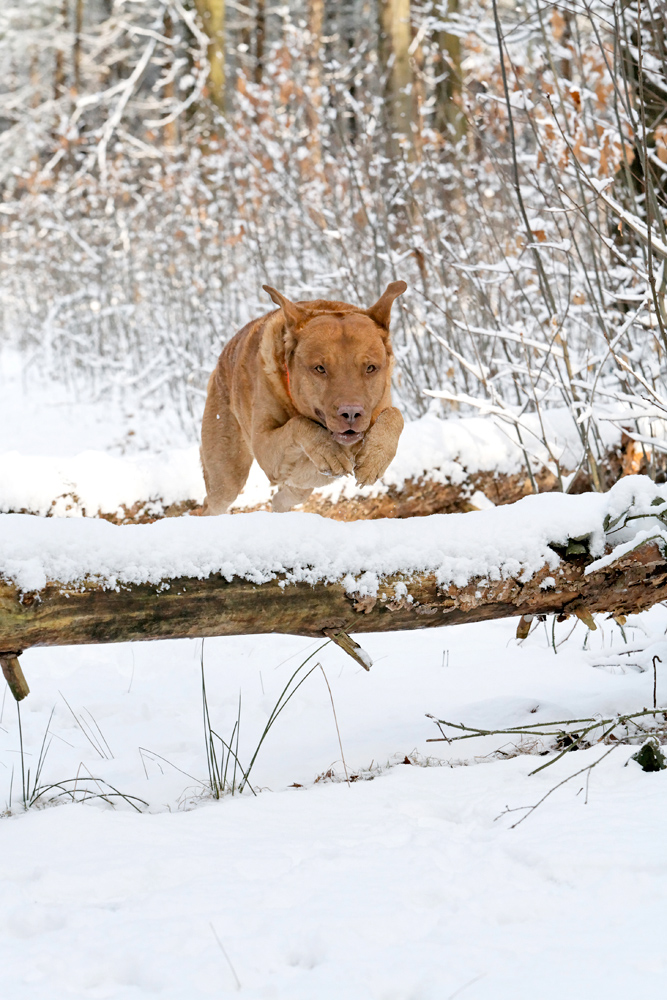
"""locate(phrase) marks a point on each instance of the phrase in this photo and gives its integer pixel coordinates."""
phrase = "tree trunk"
(449, 118)
(395, 39)
(76, 49)
(314, 106)
(171, 128)
(63, 615)
(59, 60)
(212, 13)
(260, 38)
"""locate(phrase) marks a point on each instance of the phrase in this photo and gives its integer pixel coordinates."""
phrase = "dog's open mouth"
(347, 437)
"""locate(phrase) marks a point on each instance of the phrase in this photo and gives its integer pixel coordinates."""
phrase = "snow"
(93, 481)
(404, 886)
(47, 418)
(409, 886)
(499, 543)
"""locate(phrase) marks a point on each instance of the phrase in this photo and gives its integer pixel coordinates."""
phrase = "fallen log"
(433, 493)
(189, 607)
(73, 581)
(416, 496)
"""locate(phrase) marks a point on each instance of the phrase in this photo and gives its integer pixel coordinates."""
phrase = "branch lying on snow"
(69, 581)
(528, 810)
(574, 734)
(559, 729)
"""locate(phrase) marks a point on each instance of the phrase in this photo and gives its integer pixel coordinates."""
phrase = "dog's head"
(338, 362)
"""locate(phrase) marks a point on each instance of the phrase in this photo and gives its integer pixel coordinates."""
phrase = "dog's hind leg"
(225, 457)
(288, 497)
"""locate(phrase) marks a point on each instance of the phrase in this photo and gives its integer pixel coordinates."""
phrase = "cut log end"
(13, 674)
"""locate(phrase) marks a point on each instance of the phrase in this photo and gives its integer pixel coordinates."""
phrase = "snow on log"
(68, 581)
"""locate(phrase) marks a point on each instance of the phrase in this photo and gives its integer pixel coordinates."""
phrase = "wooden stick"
(14, 676)
(523, 628)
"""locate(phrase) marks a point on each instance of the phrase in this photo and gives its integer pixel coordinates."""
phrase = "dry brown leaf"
(558, 25)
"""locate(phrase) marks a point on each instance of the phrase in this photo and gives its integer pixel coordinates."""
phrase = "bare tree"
(260, 38)
(314, 108)
(395, 40)
(449, 117)
(212, 13)
(76, 47)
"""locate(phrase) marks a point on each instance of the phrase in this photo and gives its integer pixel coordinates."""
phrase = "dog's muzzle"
(347, 437)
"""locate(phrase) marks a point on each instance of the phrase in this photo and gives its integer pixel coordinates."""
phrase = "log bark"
(86, 613)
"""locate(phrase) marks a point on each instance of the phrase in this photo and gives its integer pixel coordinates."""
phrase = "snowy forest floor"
(410, 884)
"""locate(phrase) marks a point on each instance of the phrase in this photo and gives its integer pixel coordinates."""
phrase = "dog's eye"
(320, 369)
(371, 369)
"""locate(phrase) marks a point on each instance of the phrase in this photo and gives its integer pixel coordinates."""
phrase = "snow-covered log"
(69, 581)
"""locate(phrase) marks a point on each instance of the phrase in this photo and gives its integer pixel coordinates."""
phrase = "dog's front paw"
(329, 458)
(371, 465)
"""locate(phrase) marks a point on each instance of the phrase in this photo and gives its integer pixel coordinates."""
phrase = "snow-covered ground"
(409, 886)
(406, 886)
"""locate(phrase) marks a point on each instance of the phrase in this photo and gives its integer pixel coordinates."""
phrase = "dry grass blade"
(76, 790)
(286, 695)
(333, 709)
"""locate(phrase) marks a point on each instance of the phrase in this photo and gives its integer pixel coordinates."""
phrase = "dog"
(306, 391)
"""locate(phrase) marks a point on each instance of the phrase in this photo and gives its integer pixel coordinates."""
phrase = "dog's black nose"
(351, 412)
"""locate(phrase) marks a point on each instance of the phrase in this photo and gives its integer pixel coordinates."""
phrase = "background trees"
(161, 159)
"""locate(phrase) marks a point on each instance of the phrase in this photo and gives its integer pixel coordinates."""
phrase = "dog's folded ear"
(380, 313)
(291, 311)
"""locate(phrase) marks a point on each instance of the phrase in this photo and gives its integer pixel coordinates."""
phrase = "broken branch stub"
(351, 647)
(13, 674)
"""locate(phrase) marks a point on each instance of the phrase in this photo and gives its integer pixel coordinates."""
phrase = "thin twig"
(531, 809)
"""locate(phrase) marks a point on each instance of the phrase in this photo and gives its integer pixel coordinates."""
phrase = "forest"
(160, 161)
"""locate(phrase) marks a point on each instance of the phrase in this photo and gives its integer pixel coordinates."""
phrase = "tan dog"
(306, 391)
